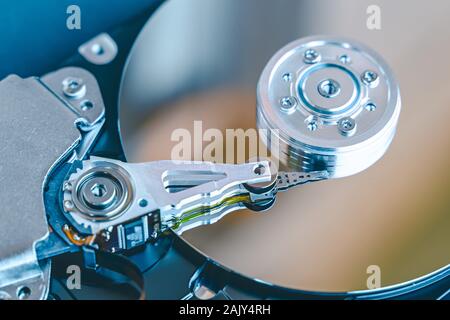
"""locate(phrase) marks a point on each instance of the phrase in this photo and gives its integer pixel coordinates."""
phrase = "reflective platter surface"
(201, 60)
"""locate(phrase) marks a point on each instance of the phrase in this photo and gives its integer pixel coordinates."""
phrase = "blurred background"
(201, 59)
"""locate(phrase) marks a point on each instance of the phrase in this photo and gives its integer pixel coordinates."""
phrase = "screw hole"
(329, 88)
(143, 203)
(98, 190)
(345, 59)
(86, 105)
(259, 169)
(23, 293)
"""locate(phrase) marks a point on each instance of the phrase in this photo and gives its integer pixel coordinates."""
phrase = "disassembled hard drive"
(331, 105)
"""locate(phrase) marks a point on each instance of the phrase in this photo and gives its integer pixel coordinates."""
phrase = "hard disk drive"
(227, 150)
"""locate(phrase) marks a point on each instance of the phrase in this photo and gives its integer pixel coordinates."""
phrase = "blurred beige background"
(201, 62)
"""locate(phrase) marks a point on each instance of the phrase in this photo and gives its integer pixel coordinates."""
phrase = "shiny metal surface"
(202, 61)
(38, 127)
(99, 193)
(100, 50)
(28, 286)
(330, 127)
(88, 106)
(185, 194)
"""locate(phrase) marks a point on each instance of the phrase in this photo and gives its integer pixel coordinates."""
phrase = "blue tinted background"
(34, 37)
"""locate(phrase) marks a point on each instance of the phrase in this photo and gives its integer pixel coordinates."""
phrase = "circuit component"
(130, 235)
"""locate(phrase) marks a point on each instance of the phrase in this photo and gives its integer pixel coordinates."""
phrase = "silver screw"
(287, 77)
(345, 59)
(74, 88)
(329, 88)
(311, 56)
(370, 106)
(99, 193)
(312, 125)
(67, 186)
(369, 78)
(347, 126)
(68, 205)
(288, 104)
